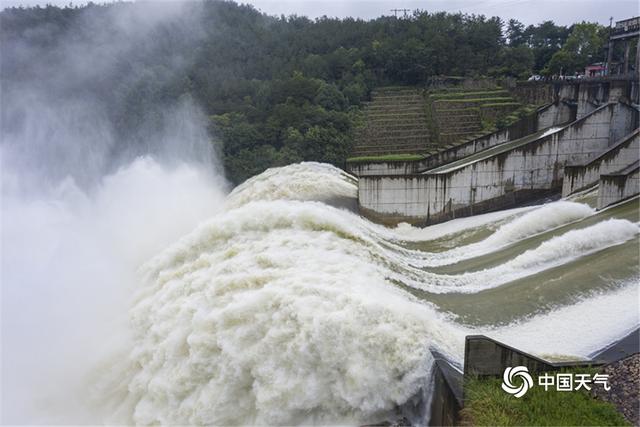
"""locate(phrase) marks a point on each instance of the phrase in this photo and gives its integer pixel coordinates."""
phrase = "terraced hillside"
(396, 124)
(460, 115)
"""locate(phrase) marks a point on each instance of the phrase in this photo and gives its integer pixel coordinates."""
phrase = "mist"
(84, 203)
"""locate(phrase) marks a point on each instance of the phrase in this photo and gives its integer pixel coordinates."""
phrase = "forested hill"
(276, 90)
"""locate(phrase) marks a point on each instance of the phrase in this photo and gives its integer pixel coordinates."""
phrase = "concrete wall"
(619, 186)
(593, 93)
(496, 181)
(388, 168)
(484, 356)
(533, 93)
(619, 156)
(554, 114)
(446, 401)
(391, 199)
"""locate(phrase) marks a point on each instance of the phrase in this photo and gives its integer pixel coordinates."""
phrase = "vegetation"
(494, 100)
(520, 113)
(486, 404)
(276, 90)
(470, 94)
(583, 46)
(386, 158)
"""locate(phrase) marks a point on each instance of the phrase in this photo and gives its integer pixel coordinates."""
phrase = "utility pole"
(404, 11)
(609, 58)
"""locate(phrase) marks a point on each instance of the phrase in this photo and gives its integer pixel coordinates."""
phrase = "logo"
(520, 374)
(563, 381)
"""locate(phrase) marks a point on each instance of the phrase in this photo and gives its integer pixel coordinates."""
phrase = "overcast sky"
(563, 12)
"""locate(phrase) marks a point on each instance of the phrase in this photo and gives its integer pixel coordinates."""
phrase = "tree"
(516, 62)
(278, 89)
(583, 46)
(516, 33)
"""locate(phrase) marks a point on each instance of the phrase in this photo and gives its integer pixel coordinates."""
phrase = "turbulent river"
(281, 306)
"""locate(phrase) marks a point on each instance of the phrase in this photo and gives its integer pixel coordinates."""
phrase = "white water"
(69, 264)
(531, 223)
(276, 309)
(554, 252)
(304, 181)
(285, 309)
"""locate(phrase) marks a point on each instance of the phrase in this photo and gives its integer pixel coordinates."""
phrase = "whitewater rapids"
(282, 309)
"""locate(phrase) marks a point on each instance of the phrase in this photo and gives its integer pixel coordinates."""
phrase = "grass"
(462, 95)
(386, 158)
(467, 109)
(500, 104)
(486, 404)
(520, 113)
(483, 100)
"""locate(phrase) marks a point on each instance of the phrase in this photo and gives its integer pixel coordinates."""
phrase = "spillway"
(287, 307)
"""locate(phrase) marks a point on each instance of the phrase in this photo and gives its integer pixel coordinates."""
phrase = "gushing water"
(278, 308)
(288, 312)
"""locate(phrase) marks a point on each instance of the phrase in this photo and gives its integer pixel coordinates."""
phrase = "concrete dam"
(585, 135)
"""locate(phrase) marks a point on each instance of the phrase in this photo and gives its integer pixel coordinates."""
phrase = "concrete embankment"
(499, 177)
(619, 186)
(615, 158)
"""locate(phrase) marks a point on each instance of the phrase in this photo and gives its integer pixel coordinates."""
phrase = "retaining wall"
(619, 186)
(619, 156)
(533, 93)
(593, 93)
(484, 356)
(554, 114)
(447, 395)
(498, 180)
(395, 167)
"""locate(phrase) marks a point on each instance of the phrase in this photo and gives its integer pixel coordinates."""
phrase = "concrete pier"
(619, 186)
(615, 158)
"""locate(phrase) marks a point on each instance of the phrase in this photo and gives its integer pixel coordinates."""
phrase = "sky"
(564, 12)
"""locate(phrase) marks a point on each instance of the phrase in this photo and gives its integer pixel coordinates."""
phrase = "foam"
(531, 223)
(301, 181)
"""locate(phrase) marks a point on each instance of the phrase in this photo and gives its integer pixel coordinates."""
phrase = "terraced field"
(396, 124)
(459, 114)
(402, 122)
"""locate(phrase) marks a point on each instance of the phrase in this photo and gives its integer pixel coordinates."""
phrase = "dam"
(589, 125)
(318, 314)
(140, 288)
